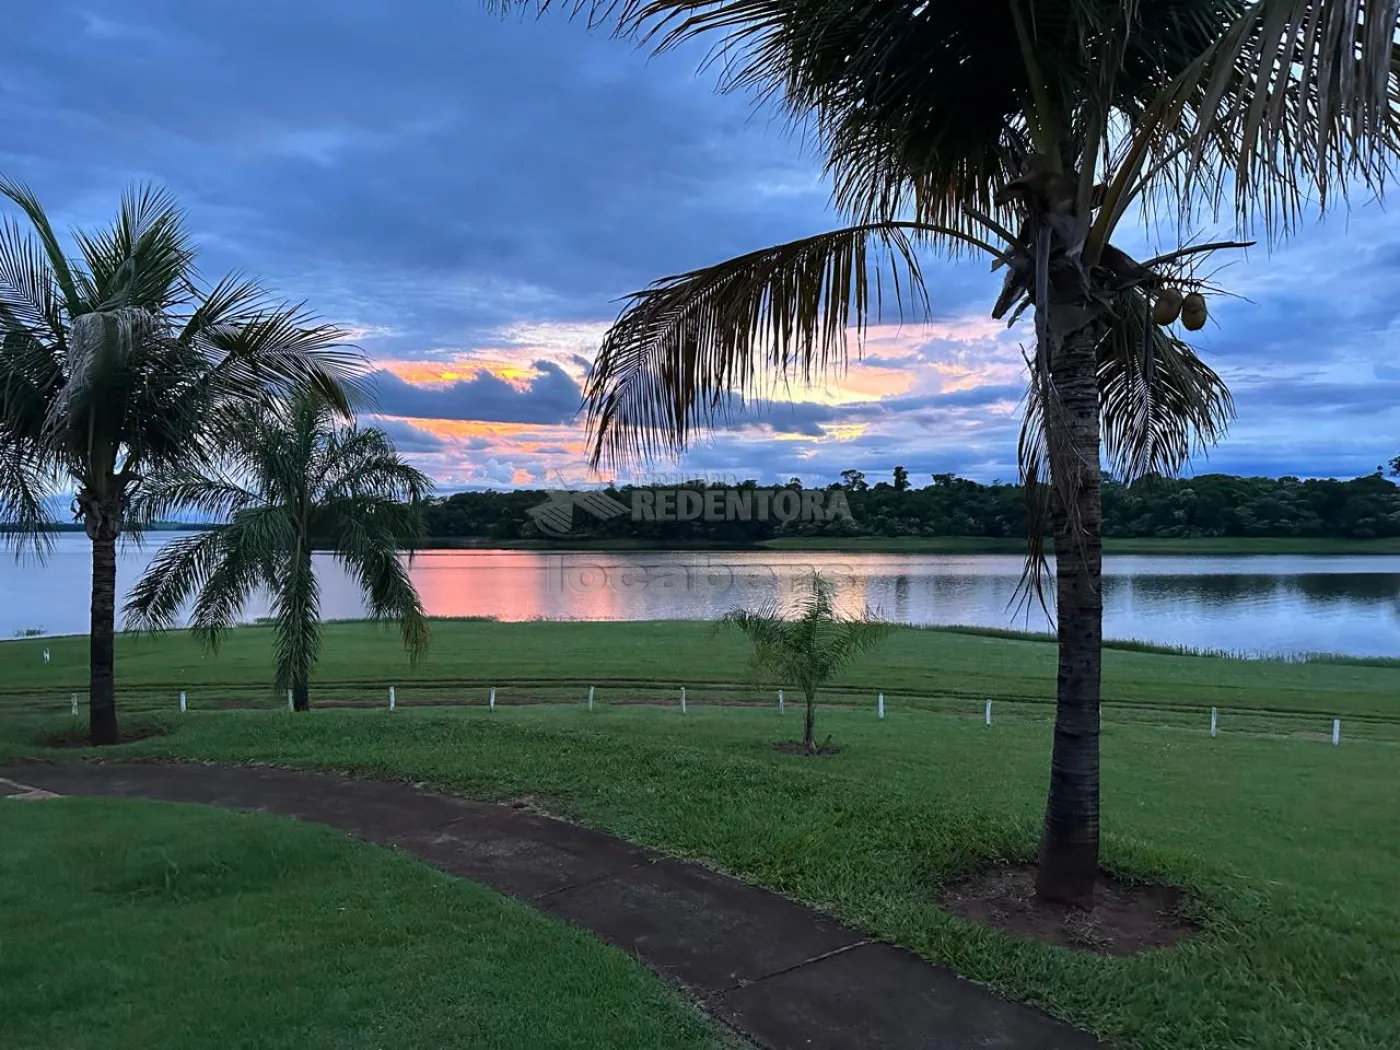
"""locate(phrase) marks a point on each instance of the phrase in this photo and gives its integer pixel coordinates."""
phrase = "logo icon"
(555, 516)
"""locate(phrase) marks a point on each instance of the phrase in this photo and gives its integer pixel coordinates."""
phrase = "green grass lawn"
(1288, 846)
(950, 671)
(133, 924)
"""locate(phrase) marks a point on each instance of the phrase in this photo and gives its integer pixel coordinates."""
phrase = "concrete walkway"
(781, 974)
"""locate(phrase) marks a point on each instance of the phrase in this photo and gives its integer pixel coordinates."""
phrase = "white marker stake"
(989, 712)
(493, 698)
(780, 701)
(290, 706)
(1336, 731)
(73, 704)
(682, 699)
(590, 698)
(46, 656)
(880, 705)
(1214, 721)
(182, 701)
(391, 698)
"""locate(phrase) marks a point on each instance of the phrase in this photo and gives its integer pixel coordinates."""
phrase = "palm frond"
(283, 350)
(179, 571)
(289, 478)
(74, 288)
(684, 350)
(28, 298)
(1033, 465)
(231, 301)
(362, 461)
(1161, 403)
(1298, 100)
(145, 259)
(296, 616)
(252, 555)
(811, 641)
(1046, 460)
(23, 509)
(368, 545)
(217, 498)
(31, 380)
(91, 411)
(848, 640)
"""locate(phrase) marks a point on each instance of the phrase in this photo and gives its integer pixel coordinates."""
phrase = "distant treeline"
(1209, 505)
(77, 526)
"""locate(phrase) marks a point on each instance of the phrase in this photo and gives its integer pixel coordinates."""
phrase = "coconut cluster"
(1171, 304)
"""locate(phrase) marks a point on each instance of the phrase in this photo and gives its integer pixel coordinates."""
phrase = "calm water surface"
(1254, 604)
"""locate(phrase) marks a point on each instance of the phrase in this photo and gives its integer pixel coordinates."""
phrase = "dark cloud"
(435, 174)
(1319, 395)
(551, 398)
(806, 417)
(408, 438)
(987, 394)
(484, 170)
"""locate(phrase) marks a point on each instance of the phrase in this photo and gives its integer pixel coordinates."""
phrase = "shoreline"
(1215, 545)
(1233, 546)
(1006, 634)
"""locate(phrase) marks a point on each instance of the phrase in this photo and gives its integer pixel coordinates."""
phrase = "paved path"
(780, 973)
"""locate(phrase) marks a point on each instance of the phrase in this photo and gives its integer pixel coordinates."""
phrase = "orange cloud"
(898, 361)
(829, 432)
(430, 373)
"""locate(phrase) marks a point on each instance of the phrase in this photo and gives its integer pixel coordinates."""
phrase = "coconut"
(1194, 312)
(1168, 306)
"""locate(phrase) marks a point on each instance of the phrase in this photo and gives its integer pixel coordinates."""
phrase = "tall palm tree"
(292, 479)
(1026, 131)
(113, 364)
(808, 649)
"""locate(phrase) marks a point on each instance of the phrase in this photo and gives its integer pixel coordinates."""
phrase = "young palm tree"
(292, 479)
(809, 649)
(1026, 131)
(112, 365)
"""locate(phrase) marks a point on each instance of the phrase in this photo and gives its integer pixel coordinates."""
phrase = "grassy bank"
(1287, 846)
(1222, 545)
(938, 670)
(131, 924)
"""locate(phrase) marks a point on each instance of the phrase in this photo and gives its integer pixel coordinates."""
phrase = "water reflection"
(1278, 604)
(1253, 604)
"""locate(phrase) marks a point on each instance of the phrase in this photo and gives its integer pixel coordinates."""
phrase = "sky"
(470, 196)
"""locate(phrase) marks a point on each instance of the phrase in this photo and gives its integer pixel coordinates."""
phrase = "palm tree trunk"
(1069, 851)
(102, 698)
(301, 695)
(809, 726)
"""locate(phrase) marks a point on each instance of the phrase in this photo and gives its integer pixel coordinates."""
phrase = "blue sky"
(470, 195)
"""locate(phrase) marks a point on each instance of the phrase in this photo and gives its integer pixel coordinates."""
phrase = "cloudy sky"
(470, 195)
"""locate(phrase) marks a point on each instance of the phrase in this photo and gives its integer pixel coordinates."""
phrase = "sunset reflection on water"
(1255, 604)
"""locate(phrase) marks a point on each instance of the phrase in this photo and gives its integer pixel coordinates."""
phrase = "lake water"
(1253, 604)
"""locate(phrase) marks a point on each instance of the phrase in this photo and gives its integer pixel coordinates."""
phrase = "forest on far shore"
(1208, 505)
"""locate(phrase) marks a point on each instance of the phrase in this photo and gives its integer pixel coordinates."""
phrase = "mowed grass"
(133, 924)
(946, 670)
(1288, 847)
